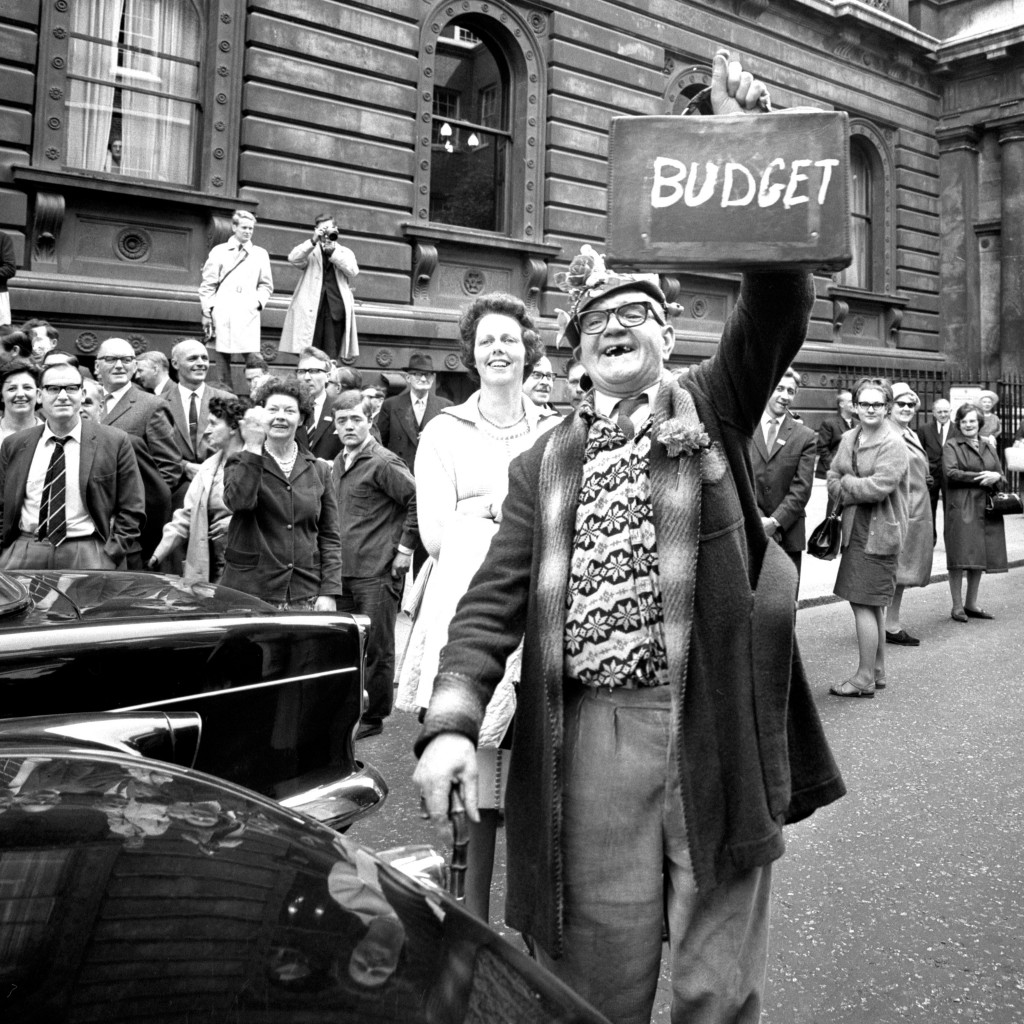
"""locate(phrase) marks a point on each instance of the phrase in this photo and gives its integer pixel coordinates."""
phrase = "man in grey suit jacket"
(401, 419)
(784, 473)
(70, 489)
(192, 363)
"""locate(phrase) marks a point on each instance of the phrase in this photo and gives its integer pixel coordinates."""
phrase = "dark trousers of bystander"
(376, 597)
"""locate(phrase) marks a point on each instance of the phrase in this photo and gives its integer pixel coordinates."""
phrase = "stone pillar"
(1010, 357)
(958, 295)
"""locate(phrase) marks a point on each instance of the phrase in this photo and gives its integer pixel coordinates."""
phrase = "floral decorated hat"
(588, 279)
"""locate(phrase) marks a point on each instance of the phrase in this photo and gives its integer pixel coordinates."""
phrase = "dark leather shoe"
(369, 729)
(901, 637)
(977, 613)
(959, 616)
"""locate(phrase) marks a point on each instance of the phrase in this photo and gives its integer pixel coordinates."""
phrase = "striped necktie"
(624, 414)
(53, 524)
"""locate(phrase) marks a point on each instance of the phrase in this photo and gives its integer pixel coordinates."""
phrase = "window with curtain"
(860, 273)
(471, 136)
(133, 96)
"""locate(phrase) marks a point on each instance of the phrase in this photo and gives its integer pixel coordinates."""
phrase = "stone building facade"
(463, 145)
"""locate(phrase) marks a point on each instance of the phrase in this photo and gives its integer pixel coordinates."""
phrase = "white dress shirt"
(78, 521)
(604, 405)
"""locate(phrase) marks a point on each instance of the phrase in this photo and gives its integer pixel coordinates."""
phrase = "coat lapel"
(124, 404)
(173, 399)
(89, 443)
(407, 417)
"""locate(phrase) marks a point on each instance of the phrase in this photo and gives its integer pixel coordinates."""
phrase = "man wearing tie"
(782, 458)
(189, 402)
(317, 434)
(933, 436)
(401, 419)
(70, 489)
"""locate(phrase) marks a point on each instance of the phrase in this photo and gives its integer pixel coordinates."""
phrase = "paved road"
(903, 902)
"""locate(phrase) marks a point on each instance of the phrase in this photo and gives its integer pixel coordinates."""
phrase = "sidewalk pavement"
(817, 577)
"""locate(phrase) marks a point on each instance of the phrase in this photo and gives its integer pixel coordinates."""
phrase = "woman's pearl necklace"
(287, 464)
(501, 426)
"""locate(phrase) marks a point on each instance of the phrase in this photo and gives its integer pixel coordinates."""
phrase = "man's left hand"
(400, 565)
(769, 524)
(325, 603)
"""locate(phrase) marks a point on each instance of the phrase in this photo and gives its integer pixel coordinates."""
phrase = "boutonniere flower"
(680, 439)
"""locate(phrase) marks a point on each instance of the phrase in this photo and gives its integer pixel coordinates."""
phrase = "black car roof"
(40, 597)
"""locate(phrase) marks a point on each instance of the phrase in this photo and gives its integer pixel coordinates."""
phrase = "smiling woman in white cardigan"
(461, 481)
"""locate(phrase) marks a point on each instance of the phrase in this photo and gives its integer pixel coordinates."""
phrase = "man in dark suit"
(189, 402)
(933, 436)
(401, 419)
(317, 434)
(832, 429)
(782, 457)
(71, 491)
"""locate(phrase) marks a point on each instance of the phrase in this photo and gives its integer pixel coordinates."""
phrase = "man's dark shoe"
(369, 729)
(901, 637)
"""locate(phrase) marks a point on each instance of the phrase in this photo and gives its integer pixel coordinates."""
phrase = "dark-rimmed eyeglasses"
(53, 390)
(540, 375)
(114, 360)
(629, 314)
(310, 370)
(871, 406)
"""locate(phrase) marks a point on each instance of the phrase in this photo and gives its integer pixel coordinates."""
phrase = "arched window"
(482, 99)
(471, 137)
(861, 272)
(133, 88)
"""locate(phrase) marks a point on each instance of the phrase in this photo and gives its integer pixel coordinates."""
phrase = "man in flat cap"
(665, 731)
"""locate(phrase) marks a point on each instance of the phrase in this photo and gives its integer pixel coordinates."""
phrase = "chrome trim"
(342, 802)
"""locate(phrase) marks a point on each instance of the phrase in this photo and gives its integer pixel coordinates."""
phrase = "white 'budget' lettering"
(669, 175)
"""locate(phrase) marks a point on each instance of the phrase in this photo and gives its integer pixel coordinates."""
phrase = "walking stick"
(460, 845)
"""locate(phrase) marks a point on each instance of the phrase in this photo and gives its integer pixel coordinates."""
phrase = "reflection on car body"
(280, 693)
(136, 890)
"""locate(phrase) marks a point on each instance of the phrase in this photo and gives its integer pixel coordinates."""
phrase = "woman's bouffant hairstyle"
(10, 367)
(285, 386)
(230, 410)
(879, 384)
(505, 305)
(963, 410)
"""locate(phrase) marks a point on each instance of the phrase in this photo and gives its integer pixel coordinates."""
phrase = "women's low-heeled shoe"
(977, 613)
(959, 616)
(853, 691)
(902, 637)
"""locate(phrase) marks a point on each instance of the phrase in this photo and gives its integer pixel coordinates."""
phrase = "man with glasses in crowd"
(317, 433)
(539, 384)
(402, 418)
(71, 490)
(664, 730)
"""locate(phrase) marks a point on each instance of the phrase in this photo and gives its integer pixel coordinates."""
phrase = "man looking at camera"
(664, 731)
(377, 517)
(322, 311)
(70, 490)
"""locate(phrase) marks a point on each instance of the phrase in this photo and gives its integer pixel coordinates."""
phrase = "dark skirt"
(863, 578)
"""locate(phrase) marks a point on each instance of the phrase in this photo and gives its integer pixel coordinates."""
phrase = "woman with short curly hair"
(461, 480)
(283, 544)
(202, 521)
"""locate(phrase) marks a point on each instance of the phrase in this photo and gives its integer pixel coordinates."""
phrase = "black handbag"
(1002, 503)
(826, 537)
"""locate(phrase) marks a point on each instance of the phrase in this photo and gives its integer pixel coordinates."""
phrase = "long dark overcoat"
(972, 541)
(752, 752)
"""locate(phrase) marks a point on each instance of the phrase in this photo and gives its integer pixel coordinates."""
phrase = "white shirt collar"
(75, 432)
(113, 397)
(187, 393)
(604, 405)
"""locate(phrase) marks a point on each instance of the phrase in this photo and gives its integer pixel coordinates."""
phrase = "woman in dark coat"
(283, 544)
(974, 543)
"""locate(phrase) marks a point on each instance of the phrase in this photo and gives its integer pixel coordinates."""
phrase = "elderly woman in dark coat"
(283, 544)
(974, 543)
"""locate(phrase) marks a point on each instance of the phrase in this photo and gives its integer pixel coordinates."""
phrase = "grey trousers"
(627, 871)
